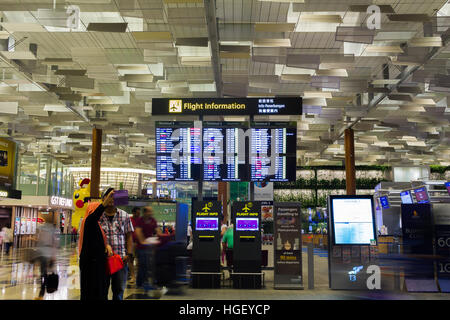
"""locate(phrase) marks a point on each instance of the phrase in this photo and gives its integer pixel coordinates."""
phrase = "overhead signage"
(226, 151)
(10, 193)
(288, 246)
(227, 106)
(7, 162)
(61, 202)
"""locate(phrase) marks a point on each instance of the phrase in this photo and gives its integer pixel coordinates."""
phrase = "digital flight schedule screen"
(224, 152)
(247, 224)
(178, 151)
(272, 154)
(206, 224)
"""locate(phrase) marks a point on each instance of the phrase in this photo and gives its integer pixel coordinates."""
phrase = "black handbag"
(52, 282)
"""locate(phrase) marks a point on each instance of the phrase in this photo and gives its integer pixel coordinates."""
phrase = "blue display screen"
(384, 202)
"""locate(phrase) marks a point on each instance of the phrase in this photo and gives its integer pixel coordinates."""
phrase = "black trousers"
(93, 279)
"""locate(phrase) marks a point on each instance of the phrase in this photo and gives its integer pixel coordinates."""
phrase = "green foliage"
(439, 169)
(361, 183)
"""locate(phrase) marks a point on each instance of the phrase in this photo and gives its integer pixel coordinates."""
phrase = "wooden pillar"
(350, 174)
(222, 195)
(96, 161)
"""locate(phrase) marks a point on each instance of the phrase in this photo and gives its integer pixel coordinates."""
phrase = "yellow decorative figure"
(78, 199)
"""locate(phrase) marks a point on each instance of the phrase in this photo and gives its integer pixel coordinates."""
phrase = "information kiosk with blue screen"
(406, 197)
(206, 217)
(352, 241)
(246, 218)
(384, 201)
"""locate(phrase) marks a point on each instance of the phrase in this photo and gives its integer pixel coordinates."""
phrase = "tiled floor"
(20, 281)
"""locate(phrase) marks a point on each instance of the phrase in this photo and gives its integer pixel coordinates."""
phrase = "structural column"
(350, 174)
(222, 195)
(96, 161)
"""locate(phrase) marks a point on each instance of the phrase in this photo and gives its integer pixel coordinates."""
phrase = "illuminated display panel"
(352, 220)
(421, 195)
(178, 151)
(272, 155)
(203, 224)
(406, 197)
(384, 202)
(224, 152)
(247, 224)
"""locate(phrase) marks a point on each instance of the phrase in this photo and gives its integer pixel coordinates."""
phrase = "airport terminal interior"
(228, 149)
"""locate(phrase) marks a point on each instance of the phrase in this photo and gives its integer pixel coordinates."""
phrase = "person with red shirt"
(146, 226)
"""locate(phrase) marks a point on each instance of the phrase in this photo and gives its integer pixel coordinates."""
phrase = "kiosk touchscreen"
(422, 195)
(384, 202)
(246, 217)
(206, 244)
(352, 220)
(406, 197)
(352, 241)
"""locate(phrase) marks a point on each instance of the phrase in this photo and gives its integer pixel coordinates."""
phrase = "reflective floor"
(20, 281)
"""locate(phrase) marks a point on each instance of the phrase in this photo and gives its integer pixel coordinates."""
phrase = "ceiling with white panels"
(390, 85)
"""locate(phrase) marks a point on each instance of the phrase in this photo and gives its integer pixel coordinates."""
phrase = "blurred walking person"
(136, 214)
(146, 227)
(45, 253)
(93, 250)
(7, 238)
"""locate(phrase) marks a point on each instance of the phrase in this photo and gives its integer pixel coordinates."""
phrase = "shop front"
(26, 215)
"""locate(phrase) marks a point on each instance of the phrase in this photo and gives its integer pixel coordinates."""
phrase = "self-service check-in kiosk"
(206, 244)
(246, 217)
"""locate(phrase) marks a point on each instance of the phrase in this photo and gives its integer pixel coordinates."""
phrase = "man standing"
(118, 230)
(146, 227)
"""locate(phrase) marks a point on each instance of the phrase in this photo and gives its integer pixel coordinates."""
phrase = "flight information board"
(178, 151)
(226, 151)
(272, 155)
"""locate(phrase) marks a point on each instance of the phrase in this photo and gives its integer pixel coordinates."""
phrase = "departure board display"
(224, 152)
(272, 155)
(178, 151)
